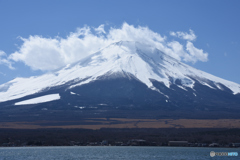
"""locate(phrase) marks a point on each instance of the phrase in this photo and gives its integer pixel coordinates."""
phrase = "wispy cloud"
(184, 35)
(4, 60)
(2, 74)
(100, 29)
(42, 53)
(195, 53)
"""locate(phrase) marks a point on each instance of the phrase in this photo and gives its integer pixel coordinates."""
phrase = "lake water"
(112, 153)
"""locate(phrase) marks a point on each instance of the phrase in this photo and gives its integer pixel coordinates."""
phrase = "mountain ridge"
(124, 80)
(142, 61)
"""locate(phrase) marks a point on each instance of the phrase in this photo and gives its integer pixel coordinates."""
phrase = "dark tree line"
(159, 137)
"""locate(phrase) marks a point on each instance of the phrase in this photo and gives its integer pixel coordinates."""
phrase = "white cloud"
(195, 53)
(191, 54)
(184, 35)
(100, 29)
(177, 49)
(41, 53)
(52, 53)
(130, 33)
(5, 61)
(2, 53)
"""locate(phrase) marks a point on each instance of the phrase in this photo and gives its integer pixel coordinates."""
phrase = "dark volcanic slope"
(126, 98)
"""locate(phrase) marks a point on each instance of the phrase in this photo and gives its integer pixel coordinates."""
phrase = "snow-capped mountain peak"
(121, 59)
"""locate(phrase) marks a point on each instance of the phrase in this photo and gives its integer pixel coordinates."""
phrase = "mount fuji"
(125, 79)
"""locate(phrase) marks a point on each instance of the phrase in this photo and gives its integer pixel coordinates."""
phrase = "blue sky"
(214, 23)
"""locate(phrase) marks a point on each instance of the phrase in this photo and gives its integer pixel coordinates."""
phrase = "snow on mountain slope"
(42, 99)
(123, 59)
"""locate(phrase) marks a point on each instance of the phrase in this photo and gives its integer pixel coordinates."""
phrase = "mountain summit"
(125, 75)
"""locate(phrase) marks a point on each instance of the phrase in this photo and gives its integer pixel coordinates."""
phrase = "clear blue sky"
(215, 23)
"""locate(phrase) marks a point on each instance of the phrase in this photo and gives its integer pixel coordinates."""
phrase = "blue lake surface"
(112, 153)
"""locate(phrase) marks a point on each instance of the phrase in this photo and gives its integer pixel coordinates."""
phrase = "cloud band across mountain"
(42, 53)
